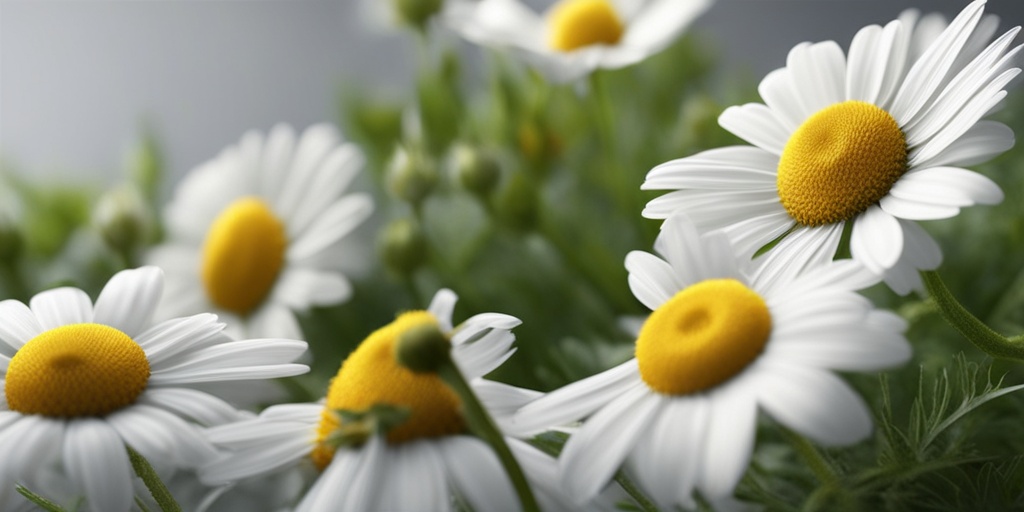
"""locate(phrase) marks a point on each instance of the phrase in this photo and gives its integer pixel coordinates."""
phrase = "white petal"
(282, 452)
(756, 124)
(61, 306)
(442, 306)
(666, 459)
(477, 476)
(947, 186)
(575, 401)
(877, 239)
(658, 23)
(903, 208)
(273, 321)
(484, 355)
(729, 442)
(129, 299)
(869, 345)
(315, 144)
(980, 143)
(161, 436)
(777, 91)
(28, 442)
(201, 407)
(501, 400)
(921, 249)
(869, 50)
(695, 256)
(818, 72)
(326, 185)
(172, 337)
(728, 168)
(302, 288)
(651, 279)
(928, 72)
(96, 460)
(417, 478)
(276, 158)
(594, 453)
(815, 403)
(334, 223)
(331, 489)
(237, 360)
(803, 250)
(17, 323)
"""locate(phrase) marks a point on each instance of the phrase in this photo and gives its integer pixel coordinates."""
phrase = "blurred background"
(79, 78)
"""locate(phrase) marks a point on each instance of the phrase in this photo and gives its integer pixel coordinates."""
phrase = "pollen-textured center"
(842, 160)
(243, 253)
(371, 375)
(76, 370)
(574, 24)
(702, 337)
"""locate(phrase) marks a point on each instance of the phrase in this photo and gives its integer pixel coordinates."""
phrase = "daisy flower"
(726, 337)
(872, 141)
(80, 381)
(426, 462)
(575, 37)
(253, 234)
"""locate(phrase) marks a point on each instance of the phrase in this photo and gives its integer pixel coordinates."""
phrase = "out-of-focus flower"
(726, 337)
(575, 37)
(424, 458)
(80, 381)
(874, 138)
(253, 232)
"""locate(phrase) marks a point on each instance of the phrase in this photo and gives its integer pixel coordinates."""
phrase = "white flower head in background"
(575, 37)
(254, 234)
(875, 139)
(421, 463)
(726, 337)
(80, 381)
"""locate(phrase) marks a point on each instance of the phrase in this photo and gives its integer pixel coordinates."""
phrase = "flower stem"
(642, 501)
(483, 426)
(981, 335)
(149, 477)
(38, 500)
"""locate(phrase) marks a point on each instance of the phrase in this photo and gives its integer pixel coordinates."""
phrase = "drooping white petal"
(594, 453)
(331, 489)
(877, 239)
(666, 459)
(61, 306)
(813, 402)
(575, 401)
(728, 443)
(95, 459)
(129, 299)
(476, 475)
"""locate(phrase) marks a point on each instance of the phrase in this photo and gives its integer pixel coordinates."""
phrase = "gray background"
(78, 77)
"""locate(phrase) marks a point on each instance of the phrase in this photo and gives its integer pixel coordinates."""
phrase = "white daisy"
(874, 140)
(576, 37)
(80, 381)
(428, 462)
(726, 337)
(253, 234)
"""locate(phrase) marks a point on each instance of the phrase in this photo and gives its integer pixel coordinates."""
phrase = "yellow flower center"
(577, 23)
(371, 375)
(842, 160)
(702, 337)
(76, 370)
(243, 253)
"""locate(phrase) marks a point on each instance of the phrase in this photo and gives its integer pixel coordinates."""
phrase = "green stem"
(642, 501)
(981, 335)
(483, 426)
(149, 477)
(38, 500)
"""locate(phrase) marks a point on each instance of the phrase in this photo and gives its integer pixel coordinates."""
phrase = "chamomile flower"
(576, 37)
(726, 337)
(426, 461)
(80, 381)
(253, 234)
(874, 140)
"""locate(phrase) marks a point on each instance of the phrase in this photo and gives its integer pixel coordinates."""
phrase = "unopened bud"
(411, 175)
(403, 247)
(416, 13)
(477, 171)
(122, 218)
(423, 349)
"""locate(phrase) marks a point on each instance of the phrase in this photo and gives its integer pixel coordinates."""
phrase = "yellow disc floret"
(242, 255)
(842, 160)
(574, 24)
(702, 337)
(76, 370)
(371, 375)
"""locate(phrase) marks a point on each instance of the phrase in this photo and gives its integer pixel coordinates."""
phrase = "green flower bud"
(423, 349)
(477, 171)
(403, 247)
(416, 13)
(412, 175)
(122, 219)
